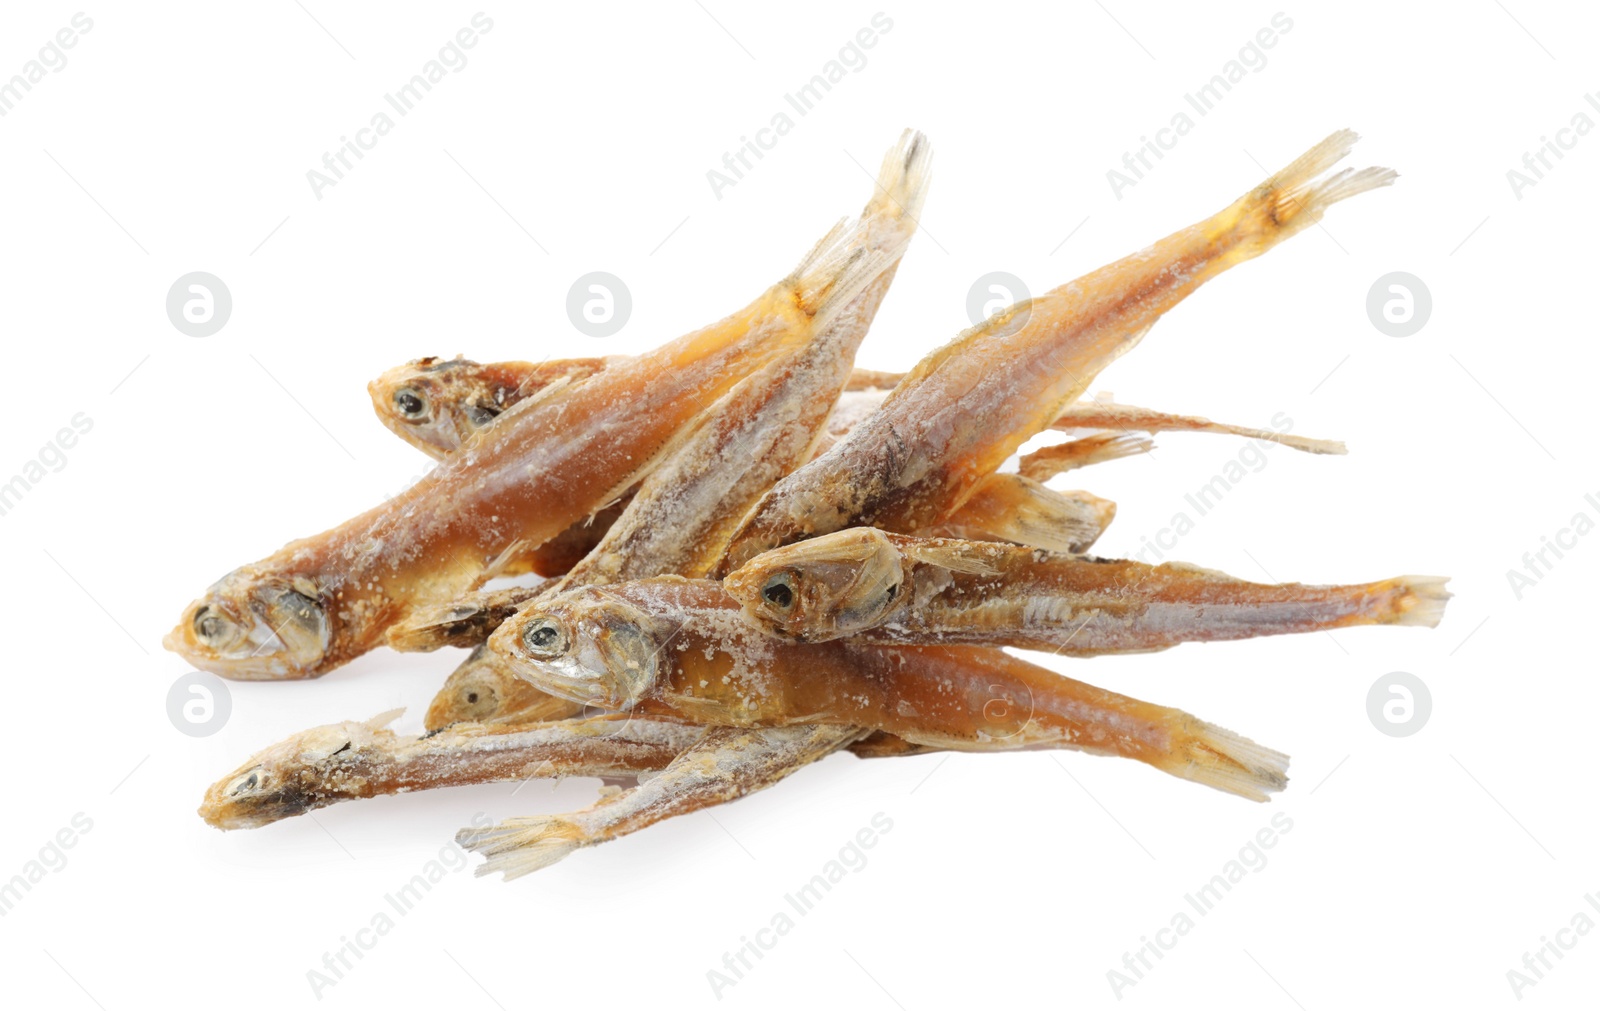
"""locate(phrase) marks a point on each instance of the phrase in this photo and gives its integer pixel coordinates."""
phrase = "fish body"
(880, 587)
(550, 461)
(965, 408)
(439, 404)
(680, 518)
(681, 649)
(356, 760)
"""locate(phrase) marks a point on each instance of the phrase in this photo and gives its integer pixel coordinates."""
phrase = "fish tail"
(1412, 600)
(903, 180)
(854, 254)
(1296, 197)
(519, 846)
(1226, 761)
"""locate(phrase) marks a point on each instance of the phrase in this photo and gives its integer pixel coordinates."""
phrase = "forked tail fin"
(1295, 198)
(853, 254)
(1223, 760)
(903, 179)
(1412, 600)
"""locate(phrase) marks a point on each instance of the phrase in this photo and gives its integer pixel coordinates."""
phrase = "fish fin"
(1305, 444)
(1226, 761)
(953, 554)
(1418, 600)
(1103, 414)
(853, 254)
(1010, 507)
(506, 562)
(519, 846)
(837, 269)
(903, 179)
(1295, 198)
(1045, 463)
(384, 718)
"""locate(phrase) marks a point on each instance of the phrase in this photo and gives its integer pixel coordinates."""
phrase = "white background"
(178, 137)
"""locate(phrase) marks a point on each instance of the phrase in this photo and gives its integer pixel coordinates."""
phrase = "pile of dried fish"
(754, 555)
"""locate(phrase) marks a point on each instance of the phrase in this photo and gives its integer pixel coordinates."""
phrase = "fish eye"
(779, 591)
(480, 415)
(411, 404)
(545, 638)
(212, 628)
(253, 780)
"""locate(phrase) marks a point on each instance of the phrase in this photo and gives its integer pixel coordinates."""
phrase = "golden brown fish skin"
(685, 512)
(968, 406)
(680, 518)
(483, 689)
(887, 588)
(551, 461)
(357, 760)
(681, 649)
(439, 404)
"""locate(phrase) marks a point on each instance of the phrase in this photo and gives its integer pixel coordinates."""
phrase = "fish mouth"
(253, 798)
(273, 631)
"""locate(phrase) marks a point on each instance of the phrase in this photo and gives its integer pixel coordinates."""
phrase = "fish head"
(823, 588)
(478, 691)
(585, 645)
(254, 626)
(437, 404)
(484, 689)
(312, 769)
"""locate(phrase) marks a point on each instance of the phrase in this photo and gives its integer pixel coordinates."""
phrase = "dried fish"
(356, 760)
(439, 404)
(968, 406)
(551, 461)
(880, 587)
